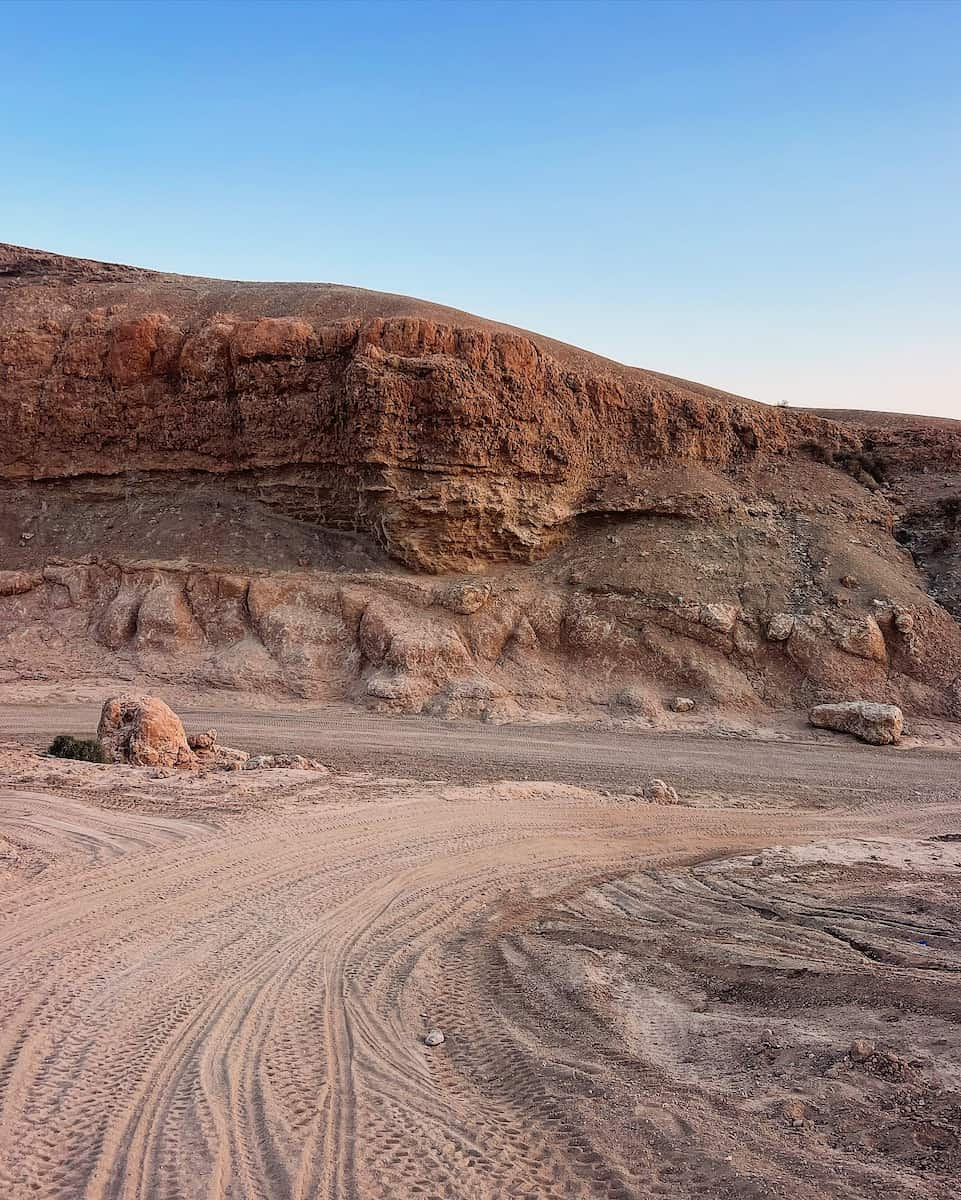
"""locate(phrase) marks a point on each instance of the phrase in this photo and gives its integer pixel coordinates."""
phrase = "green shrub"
(86, 749)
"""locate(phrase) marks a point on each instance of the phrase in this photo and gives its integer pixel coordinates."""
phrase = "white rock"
(434, 1038)
(682, 704)
(780, 627)
(879, 724)
(721, 617)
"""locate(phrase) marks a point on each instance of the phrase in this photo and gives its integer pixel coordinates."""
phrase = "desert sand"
(218, 985)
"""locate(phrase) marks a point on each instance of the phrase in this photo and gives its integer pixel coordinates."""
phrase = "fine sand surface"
(217, 987)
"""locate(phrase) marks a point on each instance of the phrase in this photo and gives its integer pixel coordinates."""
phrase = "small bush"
(86, 749)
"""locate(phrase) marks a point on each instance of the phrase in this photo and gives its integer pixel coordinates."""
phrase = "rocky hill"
(331, 492)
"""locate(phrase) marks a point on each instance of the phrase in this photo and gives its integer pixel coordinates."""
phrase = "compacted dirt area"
(218, 986)
(709, 755)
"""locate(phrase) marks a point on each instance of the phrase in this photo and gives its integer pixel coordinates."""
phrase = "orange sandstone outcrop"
(144, 732)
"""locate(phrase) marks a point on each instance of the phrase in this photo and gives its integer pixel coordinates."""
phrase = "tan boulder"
(118, 624)
(390, 691)
(879, 724)
(780, 627)
(223, 758)
(409, 642)
(210, 753)
(660, 792)
(290, 762)
(903, 621)
(465, 597)
(720, 617)
(471, 697)
(860, 636)
(164, 619)
(144, 731)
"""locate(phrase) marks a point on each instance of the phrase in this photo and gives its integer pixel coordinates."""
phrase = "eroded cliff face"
(741, 612)
(453, 446)
(921, 459)
(336, 493)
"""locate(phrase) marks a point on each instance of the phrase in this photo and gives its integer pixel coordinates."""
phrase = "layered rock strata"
(334, 493)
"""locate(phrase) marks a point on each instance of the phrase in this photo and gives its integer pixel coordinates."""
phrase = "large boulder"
(145, 732)
(879, 724)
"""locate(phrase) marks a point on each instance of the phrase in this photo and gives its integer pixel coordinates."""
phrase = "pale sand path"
(232, 1008)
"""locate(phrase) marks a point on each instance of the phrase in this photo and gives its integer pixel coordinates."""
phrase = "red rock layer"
(452, 444)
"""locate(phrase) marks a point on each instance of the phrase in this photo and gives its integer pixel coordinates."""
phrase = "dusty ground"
(703, 751)
(218, 987)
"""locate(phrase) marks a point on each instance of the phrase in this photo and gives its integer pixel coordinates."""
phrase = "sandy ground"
(702, 753)
(39, 708)
(218, 986)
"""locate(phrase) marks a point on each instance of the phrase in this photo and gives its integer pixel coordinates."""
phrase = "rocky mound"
(145, 732)
(333, 492)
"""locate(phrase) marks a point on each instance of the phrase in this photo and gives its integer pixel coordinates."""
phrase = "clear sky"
(762, 196)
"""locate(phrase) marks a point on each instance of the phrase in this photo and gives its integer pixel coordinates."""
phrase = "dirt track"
(229, 1005)
(590, 757)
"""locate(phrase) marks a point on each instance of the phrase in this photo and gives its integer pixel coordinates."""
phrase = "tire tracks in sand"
(231, 1013)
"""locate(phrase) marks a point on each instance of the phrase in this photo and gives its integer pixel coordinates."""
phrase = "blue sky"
(761, 196)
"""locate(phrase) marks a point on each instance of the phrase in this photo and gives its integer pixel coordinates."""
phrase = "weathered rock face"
(339, 494)
(144, 732)
(879, 724)
(453, 442)
(919, 460)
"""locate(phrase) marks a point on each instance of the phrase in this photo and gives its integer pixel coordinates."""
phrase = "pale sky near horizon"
(764, 197)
